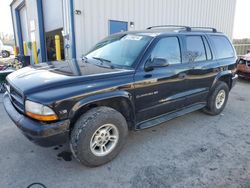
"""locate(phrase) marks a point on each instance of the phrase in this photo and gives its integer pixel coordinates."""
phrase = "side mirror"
(156, 63)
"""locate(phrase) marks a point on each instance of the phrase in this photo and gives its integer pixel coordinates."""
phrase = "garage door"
(53, 25)
(53, 14)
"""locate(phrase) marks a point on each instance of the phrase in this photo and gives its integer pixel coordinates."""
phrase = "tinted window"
(222, 47)
(169, 49)
(120, 50)
(208, 50)
(195, 49)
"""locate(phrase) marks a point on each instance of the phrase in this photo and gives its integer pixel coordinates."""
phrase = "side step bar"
(166, 117)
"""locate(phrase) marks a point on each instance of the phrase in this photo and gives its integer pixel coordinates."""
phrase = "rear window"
(223, 47)
(195, 49)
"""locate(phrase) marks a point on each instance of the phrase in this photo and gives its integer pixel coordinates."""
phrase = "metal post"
(35, 52)
(15, 51)
(58, 48)
(25, 49)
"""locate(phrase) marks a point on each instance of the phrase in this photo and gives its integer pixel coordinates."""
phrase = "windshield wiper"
(104, 60)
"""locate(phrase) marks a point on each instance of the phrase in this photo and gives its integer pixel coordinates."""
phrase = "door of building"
(117, 26)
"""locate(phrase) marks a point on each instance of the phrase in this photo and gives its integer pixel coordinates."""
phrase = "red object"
(2, 67)
(243, 68)
(17, 50)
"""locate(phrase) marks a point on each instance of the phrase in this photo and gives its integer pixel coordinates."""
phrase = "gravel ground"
(195, 150)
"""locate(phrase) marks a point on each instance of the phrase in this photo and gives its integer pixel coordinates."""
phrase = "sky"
(241, 24)
(5, 17)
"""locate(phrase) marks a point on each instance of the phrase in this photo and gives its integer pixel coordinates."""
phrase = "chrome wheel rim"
(220, 99)
(104, 140)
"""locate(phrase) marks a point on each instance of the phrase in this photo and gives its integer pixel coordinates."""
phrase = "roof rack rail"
(187, 28)
(177, 26)
(206, 28)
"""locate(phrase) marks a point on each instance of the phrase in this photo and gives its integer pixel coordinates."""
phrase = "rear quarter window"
(223, 47)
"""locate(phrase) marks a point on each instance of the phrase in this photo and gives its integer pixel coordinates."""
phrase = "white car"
(5, 50)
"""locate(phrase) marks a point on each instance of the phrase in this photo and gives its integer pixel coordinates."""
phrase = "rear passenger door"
(202, 68)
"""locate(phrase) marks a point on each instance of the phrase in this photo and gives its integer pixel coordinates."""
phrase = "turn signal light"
(42, 117)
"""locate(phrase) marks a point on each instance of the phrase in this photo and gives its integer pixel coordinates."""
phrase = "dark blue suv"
(128, 81)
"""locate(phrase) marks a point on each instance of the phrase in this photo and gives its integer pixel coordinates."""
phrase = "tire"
(213, 106)
(85, 133)
(5, 54)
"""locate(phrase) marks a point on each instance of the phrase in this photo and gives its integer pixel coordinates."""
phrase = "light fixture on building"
(132, 24)
(78, 12)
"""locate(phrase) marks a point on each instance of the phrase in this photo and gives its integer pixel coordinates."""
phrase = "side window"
(169, 49)
(223, 47)
(195, 49)
(208, 49)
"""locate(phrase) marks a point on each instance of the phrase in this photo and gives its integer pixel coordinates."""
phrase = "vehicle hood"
(41, 78)
(246, 57)
(7, 48)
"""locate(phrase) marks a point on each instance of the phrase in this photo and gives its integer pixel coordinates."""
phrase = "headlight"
(39, 112)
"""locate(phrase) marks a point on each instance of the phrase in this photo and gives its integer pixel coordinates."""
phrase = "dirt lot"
(195, 150)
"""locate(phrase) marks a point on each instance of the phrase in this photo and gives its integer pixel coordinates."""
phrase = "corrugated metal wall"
(92, 24)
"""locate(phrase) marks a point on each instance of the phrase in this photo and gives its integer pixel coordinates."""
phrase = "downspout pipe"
(73, 40)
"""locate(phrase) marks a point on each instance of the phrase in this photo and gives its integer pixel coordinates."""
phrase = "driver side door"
(161, 90)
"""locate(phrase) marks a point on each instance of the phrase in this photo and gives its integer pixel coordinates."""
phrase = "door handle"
(182, 75)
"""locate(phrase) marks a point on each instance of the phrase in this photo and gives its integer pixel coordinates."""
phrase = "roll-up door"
(24, 24)
(53, 15)
(53, 25)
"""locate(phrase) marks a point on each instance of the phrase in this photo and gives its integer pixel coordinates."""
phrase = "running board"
(166, 117)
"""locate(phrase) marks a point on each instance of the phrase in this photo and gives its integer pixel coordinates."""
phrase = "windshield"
(121, 50)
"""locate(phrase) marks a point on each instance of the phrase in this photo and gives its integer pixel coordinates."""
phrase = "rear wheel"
(217, 99)
(5, 54)
(98, 136)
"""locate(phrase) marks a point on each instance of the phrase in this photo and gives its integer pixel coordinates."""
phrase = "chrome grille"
(16, 98)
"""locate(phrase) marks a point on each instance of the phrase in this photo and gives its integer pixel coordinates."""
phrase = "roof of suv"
(162, 30)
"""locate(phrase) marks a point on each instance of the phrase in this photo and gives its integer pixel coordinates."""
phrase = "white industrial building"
(82, 23)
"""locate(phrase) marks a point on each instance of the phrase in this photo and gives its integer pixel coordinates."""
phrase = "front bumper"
(244, 74)
(42, 134)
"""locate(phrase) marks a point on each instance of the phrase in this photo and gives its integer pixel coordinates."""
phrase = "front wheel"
(217, 99)
(98, 136)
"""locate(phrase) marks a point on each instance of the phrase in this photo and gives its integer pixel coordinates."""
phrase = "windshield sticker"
(132, 37)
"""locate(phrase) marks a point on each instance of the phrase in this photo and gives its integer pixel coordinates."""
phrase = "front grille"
(16, 99)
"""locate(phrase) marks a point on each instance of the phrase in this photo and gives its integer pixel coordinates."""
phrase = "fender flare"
(220, 75)
(100, 97)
